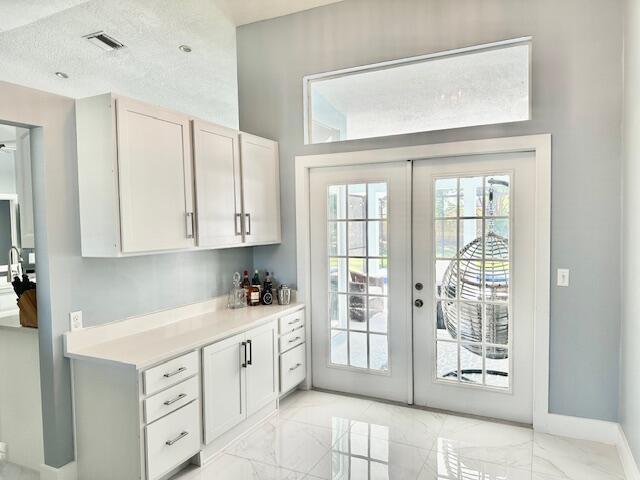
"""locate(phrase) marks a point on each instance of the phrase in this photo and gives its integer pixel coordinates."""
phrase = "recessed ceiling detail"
(104, 41)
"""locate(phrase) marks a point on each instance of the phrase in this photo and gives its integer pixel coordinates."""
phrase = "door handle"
(418, 303)
(177, 439)
(244, 348)
(295, 367)
(237, 221)
(250, 362)
(248, 218)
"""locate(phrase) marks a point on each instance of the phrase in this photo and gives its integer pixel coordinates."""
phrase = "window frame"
(307, 80)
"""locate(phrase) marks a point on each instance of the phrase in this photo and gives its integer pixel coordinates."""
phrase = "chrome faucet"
(10, 264)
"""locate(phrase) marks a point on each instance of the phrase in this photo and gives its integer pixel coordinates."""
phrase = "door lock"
(419, 286)
(418, 303)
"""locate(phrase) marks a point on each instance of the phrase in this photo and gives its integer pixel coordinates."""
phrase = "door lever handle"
(418, 303)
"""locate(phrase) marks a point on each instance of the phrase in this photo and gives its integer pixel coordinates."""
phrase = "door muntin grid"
(473, 271)
(357, 241)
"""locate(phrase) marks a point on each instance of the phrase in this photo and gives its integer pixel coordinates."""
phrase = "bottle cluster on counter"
(253, 292)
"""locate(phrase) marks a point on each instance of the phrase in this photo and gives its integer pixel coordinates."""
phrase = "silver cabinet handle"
(237, 220)
(293, 322)
(171, 374)
(294, 339)
(248, 217)
(296, 366)
(190, 224)
(177, 439)
(177, 399)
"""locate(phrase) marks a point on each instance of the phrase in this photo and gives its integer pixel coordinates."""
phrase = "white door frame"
(540, 145)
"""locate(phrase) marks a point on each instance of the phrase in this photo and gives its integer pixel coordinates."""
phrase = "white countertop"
(144, 349)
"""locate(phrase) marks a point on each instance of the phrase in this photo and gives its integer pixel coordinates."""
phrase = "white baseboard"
(629, 464)
(66, 472)
(580, 428)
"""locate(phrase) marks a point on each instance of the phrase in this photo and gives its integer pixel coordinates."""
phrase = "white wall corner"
(631, 470)
(66, 472)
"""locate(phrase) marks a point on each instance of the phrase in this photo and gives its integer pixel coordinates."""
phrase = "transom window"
(358, 279)
(480, 85)
(473, 271)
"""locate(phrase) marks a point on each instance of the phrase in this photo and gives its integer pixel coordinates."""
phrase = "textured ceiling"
(249, 11)
(151, 68)
(16, 13)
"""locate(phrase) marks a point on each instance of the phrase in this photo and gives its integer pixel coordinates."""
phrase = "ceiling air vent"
(104, 41)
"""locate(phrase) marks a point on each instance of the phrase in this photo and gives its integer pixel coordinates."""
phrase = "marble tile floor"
(10, 471)
(324, 436)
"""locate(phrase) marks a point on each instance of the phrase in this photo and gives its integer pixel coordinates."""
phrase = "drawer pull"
(180, 370)
(177, 439)
(177, 399)
(293, 340)
(293, 322)
(296, 366)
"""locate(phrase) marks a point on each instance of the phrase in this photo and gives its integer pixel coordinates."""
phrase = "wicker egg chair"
(468, 278)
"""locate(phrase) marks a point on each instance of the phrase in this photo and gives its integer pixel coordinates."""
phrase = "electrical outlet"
(75, 319)
(32, 259)
(563, 277)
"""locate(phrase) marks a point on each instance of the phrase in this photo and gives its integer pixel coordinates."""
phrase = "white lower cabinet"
(173, 440)
(240, 377)
(149, 423)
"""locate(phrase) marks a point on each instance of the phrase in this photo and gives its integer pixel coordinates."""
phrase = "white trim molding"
(66, 472)
(629, 464)
(539, 144)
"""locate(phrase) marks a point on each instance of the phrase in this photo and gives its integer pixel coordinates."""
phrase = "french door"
(422, 282)
(473, 264)
(361, 299)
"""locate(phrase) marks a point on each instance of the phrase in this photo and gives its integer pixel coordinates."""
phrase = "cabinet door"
(261, 189)
(155, 178)
(217, 180)
(262, 376)
(223, 386)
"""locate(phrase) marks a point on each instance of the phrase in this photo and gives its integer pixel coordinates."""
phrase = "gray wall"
(104, 289)
(630, 338)
(577, 89)
(7, 171)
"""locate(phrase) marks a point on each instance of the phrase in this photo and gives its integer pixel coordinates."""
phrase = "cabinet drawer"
(291, 322)
(171, 372)
(292, 339)
(292, 368)
(171, 399)
(173, 440)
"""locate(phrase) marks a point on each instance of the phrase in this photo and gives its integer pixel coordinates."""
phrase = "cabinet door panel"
(155, 175)
(262, 377)
(217, 175)
(223, 386)
(261, 189)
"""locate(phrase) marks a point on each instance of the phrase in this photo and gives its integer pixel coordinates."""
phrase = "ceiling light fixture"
(185, 48)
(61, 75)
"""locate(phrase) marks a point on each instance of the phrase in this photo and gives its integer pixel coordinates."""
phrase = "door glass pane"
(358, 349)
(358, 274)
(377, 200)
(377, 239)
(338, 347)
(357, 239)
(337, 238)
(447, 360)
(472, 275)
(337, 202)
(471, 196)
(357, 201)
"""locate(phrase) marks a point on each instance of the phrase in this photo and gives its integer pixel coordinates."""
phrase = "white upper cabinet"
(152, 180)
(261, 189)
(156, 178)
(218, 188)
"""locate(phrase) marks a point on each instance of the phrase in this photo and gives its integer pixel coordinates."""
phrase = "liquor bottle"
(254, 292)
(267, 292)
(246, 284)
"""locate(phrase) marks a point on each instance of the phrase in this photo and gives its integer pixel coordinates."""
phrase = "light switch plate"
(563, 277)
(75, 320)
